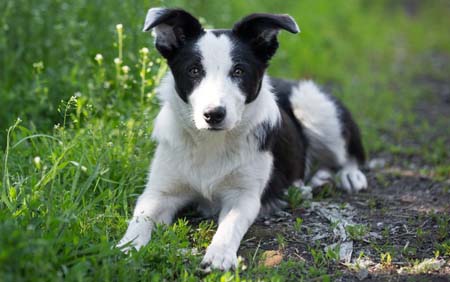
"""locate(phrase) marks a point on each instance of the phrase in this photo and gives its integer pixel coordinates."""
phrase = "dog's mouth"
(215, 128)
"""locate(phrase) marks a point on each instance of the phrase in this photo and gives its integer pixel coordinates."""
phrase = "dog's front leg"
(158, 203)
(151, 208)
(237, 214)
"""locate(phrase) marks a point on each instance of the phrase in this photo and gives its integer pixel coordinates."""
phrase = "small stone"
(362, 274)
(377, 163)
(306, 192)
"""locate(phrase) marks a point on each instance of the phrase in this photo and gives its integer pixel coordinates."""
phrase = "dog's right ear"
(173, 28)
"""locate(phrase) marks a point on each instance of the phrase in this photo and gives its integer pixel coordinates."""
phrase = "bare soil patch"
(406, 210)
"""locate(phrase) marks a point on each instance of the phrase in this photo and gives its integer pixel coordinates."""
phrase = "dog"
(231, 138)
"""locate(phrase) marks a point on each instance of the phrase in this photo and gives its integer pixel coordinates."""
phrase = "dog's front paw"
(138, 235)
(219, 257)
(352, 179)
(126, 243)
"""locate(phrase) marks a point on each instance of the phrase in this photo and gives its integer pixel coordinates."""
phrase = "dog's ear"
(173, 28)
(260, 31)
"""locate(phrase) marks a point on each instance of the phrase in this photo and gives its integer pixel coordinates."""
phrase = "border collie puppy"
(232, 139)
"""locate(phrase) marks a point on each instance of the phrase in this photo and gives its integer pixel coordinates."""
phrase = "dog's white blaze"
(217, 88)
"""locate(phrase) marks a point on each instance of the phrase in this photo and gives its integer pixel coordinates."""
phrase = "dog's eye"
(194, 71)
(237, 72)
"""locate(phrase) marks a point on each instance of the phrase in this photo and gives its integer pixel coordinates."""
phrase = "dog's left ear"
(261, 30)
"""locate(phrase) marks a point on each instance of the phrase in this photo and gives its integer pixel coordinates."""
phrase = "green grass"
(74, 165)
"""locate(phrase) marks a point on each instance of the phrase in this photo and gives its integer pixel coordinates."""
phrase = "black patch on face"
(253, 69)
(244, 58)
(253, 38)
(181, 65)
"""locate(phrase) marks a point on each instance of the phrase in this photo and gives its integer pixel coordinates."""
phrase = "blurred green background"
(73, 167)
(359, 47)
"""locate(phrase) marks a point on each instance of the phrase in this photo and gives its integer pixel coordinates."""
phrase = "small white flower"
(39, 66)
(117, 61)
(37, 160)
(144, 50)
(77, 164)
(119, 27)
(99, 58)
(125, 69)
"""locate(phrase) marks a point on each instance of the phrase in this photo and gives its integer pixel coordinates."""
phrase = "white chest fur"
(218, 163)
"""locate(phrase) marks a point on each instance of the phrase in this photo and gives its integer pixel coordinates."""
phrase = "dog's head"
(216, 72)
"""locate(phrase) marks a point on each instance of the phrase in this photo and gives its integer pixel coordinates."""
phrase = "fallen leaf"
(271, 258)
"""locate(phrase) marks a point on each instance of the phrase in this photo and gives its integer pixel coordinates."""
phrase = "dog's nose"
(214, 115)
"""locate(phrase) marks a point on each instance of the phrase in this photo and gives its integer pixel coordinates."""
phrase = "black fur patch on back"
(288, 146)
(350, 132)
(288, 150)
(283, 91)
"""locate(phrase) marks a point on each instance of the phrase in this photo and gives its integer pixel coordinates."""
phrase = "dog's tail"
(333, 137)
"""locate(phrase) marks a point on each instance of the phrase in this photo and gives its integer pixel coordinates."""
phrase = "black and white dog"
(232, 139)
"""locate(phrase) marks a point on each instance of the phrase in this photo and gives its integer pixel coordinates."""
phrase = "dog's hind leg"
(321, 177)
(334, 140)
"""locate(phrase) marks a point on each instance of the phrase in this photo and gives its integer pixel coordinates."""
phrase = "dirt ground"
(406, 210)
(394, 210)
